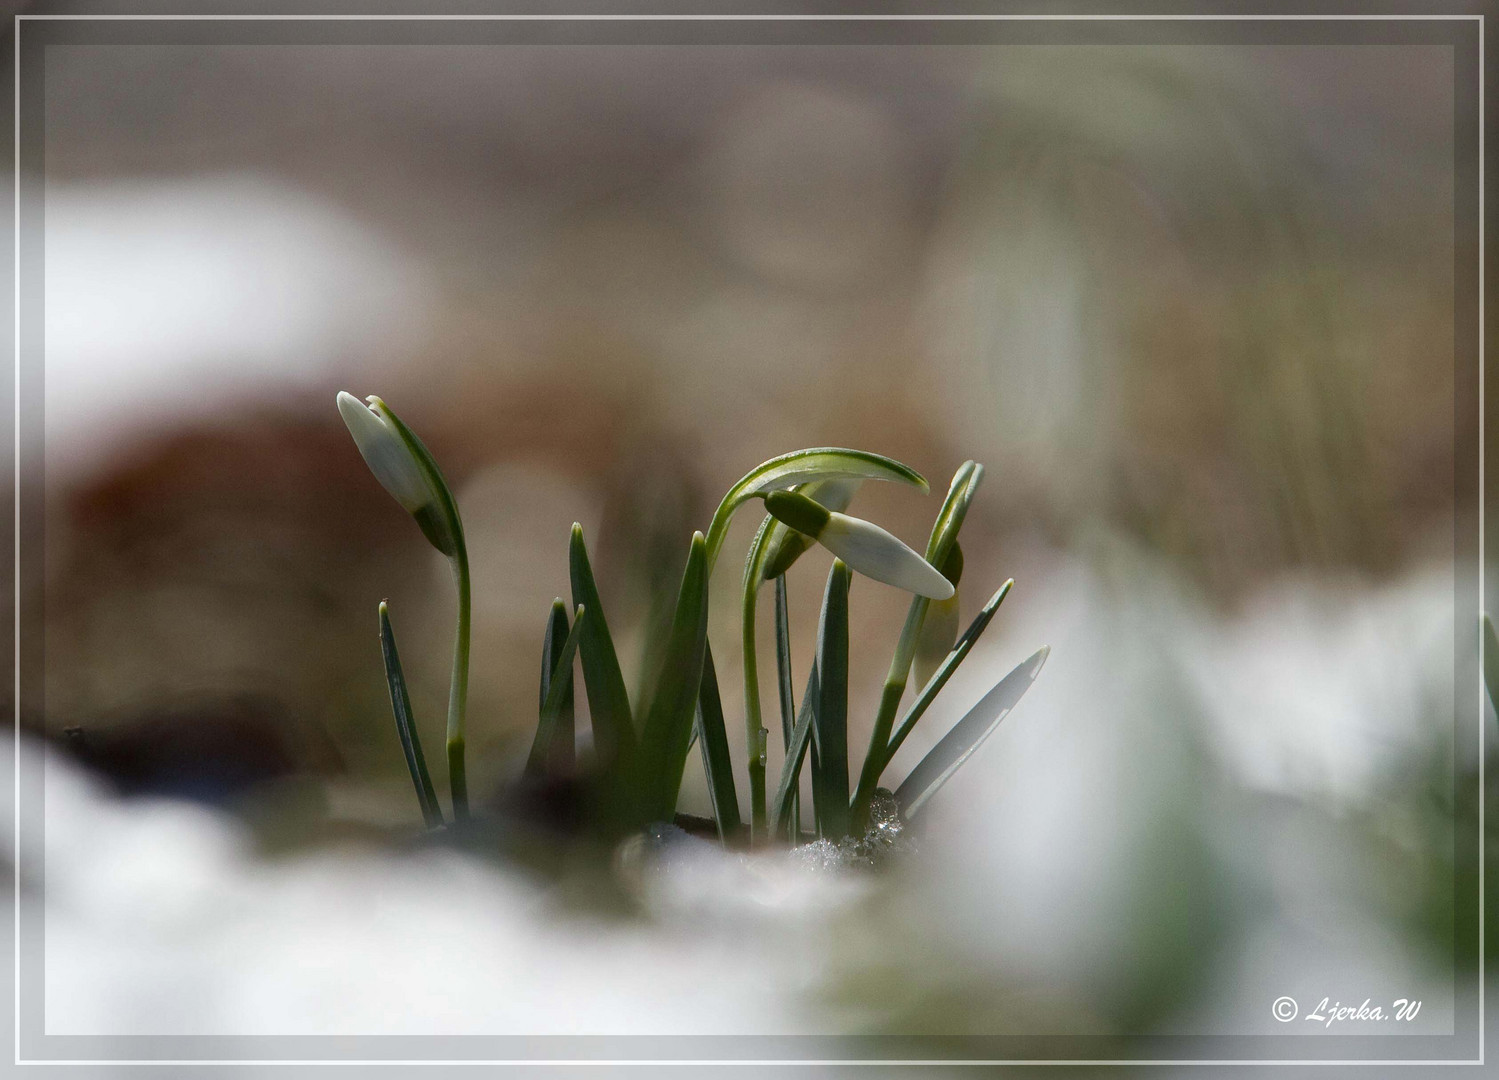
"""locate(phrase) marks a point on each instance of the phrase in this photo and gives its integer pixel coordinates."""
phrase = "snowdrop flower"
(405, 468)
(787, 545)
(939, 630)
(863, 545)
(402, 465)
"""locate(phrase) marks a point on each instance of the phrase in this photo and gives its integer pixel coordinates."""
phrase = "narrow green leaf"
(967, 735)
(560, 757)
(961, 648)
(960, 493)
(796, 752)
(668, 727)
(608, 701)
(400, 704)
(944, 535)
(1491, 660)
(754, 730)
(830, 779)
(783, 680)
(552, 730)
(800, 467)
(783, 663)
(713, 738)
(551, 643)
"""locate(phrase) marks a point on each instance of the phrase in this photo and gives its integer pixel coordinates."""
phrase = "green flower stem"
(784, 691)
(944, 534)
(458, 687)
(884, 720)
(754, 729)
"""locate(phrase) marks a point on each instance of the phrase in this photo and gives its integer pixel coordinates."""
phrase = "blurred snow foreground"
(1086, 876)
(161, 920)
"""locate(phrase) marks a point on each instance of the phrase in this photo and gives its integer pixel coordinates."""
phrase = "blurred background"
(1190, 304)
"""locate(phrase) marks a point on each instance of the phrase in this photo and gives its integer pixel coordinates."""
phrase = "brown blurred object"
(215, 562)
(215, 752)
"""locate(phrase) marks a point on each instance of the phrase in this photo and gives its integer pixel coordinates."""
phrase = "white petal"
(834, 494)
(385, 454)
(875, 553)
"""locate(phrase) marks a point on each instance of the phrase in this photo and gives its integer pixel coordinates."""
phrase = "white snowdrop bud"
(394, 455)
(863, 545)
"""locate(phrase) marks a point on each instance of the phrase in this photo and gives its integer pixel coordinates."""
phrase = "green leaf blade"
(960, 650)
(608, 701)
(967, 735)
(713, 740)
(783, 663)
(783, 683)
(830, 777)
(561, 755)
(960, 493)
(400, 704)
(754, 731)
(944, 535)
(787, 820)
(667, 732)
(552, 749)
(551, 644)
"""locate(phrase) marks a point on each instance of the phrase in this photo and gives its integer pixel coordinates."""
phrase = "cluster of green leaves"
(640, 750)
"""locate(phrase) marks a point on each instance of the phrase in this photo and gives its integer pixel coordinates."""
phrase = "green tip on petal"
(785, 545)
(796, 511)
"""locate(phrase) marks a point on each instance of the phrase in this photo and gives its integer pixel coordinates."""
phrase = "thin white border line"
(753, 18)
(726, 18)
(16, 535)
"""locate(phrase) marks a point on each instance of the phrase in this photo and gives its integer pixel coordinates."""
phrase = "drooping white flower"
(863, 545)
(786, 544)
(394, 455)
